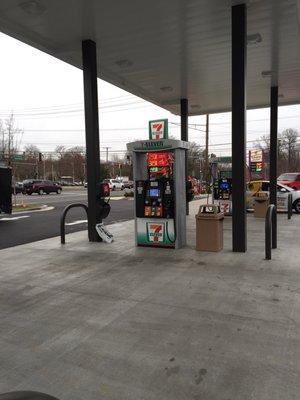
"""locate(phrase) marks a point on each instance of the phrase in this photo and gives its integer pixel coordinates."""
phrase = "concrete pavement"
(91, 321)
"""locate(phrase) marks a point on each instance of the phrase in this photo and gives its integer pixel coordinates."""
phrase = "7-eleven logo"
(155, 232)
(157, 130)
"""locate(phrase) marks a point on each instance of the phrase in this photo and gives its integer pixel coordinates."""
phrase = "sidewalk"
(93, 321)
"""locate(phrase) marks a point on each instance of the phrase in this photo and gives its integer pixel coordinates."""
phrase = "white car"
(282, 196)
(114, 184)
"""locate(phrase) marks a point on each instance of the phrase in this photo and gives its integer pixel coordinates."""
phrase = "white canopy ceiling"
(164, 50)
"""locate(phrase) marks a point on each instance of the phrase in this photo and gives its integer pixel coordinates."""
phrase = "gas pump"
(160, 192)
(223, 194)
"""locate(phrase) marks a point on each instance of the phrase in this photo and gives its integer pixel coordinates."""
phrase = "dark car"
(40, 187)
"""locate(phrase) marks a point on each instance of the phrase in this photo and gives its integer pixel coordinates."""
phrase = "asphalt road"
(25, 227)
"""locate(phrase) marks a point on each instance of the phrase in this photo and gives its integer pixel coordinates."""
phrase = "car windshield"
(288, 189)
(287, 177)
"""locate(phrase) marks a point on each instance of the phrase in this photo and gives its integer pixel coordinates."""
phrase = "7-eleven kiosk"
(160, 192)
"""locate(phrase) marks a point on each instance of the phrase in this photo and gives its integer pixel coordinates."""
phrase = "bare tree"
(11, 138)
(289, 143)
(195, 154)
(31, 151)
(288, 152)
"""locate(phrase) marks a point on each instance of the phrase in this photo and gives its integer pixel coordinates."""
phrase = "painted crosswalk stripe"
(80, 221)
(14, 218)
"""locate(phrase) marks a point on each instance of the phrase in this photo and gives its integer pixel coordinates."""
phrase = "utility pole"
(3, 143)
(106, 153)
(206, 152)
(52, 170)
(73, 170)
(44, 168)
(84, 172)
(9, 146)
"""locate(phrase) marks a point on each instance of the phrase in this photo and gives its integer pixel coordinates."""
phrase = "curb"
(37, 209)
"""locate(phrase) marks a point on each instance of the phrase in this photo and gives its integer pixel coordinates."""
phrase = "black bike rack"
(28, 395)
(270, 242)
(290, 206)
(63, 219)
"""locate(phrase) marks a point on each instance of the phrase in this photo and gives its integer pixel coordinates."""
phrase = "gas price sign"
(159, 159)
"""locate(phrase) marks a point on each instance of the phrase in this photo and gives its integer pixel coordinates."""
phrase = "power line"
(70, 105)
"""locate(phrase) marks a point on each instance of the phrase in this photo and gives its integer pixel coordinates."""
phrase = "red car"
(291, 179)
(38, 186)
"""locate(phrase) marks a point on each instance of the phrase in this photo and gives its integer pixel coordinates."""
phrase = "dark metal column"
(89, 64)
(239, 62)
(184, 112)
(273, 157)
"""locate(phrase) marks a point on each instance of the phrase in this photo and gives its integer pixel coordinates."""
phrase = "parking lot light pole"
(274, 156)
(239, 63)
(89, 64)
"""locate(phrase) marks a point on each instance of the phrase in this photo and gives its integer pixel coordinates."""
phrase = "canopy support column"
(89, 64)
(273, 157)
(239, 62)
(185, 136)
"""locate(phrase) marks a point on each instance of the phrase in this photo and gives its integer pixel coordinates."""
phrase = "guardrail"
(290, 206)
(63, 219)
(28, 395)
(270, 240)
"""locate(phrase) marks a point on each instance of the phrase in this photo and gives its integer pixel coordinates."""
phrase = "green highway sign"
(224, 160)
(18, 157)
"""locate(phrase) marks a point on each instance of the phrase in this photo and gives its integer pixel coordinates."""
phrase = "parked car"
(128, 184)
(291, 179)
(114, 184)
(255, 187)
(17, 188)
(40, 187)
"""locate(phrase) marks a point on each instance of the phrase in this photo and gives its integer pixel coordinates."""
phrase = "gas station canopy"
(166, 50)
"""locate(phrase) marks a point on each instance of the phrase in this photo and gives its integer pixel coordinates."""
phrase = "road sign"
(18, 157)
(224, 160)
(256, 155)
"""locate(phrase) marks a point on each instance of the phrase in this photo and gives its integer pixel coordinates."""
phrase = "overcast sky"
(46, 96)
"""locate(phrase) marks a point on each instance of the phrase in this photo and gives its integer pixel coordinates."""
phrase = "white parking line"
(14, 218)
(80, 221)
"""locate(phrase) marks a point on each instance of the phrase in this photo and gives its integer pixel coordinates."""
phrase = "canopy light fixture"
(124, 63)
(281, 96)
(266, 74)
(33, 7)
(254, 38)
(166, 89)
(195, 106)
